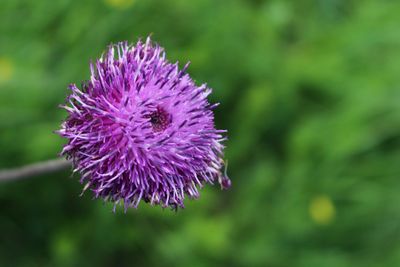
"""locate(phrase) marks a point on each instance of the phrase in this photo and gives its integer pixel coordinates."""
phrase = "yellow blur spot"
(6, 69)
(121, 4)
(322, 210)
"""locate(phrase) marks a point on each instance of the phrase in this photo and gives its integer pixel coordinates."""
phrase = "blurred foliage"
(310, 94)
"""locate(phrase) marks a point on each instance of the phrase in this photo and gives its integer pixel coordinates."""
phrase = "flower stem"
(34, 169)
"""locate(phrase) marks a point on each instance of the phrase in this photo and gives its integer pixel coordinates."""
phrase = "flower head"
(140, 129)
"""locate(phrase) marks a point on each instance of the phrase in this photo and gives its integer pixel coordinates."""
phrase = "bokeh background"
(310, 94)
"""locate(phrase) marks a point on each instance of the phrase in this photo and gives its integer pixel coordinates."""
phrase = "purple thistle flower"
(140, 129)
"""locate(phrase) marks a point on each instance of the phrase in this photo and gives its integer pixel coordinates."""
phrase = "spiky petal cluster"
(140, 129)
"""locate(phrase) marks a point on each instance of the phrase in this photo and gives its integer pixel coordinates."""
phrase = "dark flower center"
(160, 119)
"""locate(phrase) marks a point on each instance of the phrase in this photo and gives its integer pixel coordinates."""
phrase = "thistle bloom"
(140, 129)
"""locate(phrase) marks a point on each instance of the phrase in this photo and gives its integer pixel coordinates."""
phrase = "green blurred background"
(309, 91)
